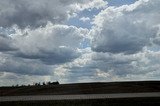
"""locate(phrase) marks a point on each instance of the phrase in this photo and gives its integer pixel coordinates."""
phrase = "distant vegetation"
(38, 84)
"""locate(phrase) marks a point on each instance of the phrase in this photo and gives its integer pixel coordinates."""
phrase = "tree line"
(39, 84)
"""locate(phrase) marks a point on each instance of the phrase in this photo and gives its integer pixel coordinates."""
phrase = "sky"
(73, 41)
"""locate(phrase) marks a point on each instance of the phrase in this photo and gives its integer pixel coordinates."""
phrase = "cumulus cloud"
(94, 66)
(126, 29)
(38, 51)
(122, 44)
(53, 44)
(34, 14)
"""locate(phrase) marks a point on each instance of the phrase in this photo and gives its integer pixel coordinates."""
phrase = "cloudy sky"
(79, 41)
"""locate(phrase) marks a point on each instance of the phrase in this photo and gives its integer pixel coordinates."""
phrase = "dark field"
(96, 102)
(83, 88)
(86, 88)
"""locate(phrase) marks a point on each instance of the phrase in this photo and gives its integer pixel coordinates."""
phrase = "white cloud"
(124, 42)
(85, 19)
(51, 44)
(126, 29)
(91, 4)
(94, 66)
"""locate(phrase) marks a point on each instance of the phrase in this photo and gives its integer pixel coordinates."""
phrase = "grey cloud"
(26, 13)
(118, 47)
(128, 43)
(121, 65)
(9, 79)
(1, 74)
(55, 44)
(110, 67)
(118, 65)
(156, 40)
(126, 29)
(58, 56)
(6, 44)
(31, 13)
(22, 67)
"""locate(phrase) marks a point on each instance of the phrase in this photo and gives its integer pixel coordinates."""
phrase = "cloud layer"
(26, 13)
(36, 44)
